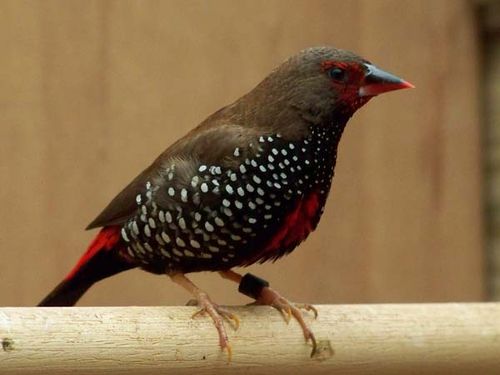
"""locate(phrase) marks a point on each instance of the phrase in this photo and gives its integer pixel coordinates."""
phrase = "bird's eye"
(337, 74)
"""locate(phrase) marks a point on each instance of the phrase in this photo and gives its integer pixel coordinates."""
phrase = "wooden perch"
(353, 339)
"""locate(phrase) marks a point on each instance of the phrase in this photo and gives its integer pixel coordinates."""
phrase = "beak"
(378, 81)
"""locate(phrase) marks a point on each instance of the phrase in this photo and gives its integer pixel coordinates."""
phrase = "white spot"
(209, 227)
(144, 209)
(240, 191)
(268, 216)
(243, 169)
(274, 151)
(226, 203)
(235, 237)
(252, 220)
(270, 139)
(227, 212)
(229, 189)
(221, 242)
(286, 161)
(165, 252)
(247, 230)
(254, 163)
(184, 195)
(270, 158)
(295, 158)
(147, 231)
(202, 168)
(261, 139)
(182, 223)
(213, 249)
(135, 228)
(291, 146)
(148, 247)
(197, 216)
(206, 255)
(161, 216)
(262, 168)
(168, 217)
(194, 181)
(159, 240)
(204, 187)
(171, 191)
(252, 205)
(233, 177)
(283, 152)
(177, 252)
(236, 151)
(152, 223)
(124, 235)
(195, 244)
(219, 221)
(238, 204)
(218, 170)
(260, 192)
(188, 253)
(307, 162)
(278, 186)
(256, 179)
(215, 182)
(138, 198)
(259, 200)
(180, 242)
(165, 237)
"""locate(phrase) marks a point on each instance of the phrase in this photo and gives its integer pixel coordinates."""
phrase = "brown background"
(92, 91)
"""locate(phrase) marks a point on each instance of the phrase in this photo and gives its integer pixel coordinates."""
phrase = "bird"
(247, 185)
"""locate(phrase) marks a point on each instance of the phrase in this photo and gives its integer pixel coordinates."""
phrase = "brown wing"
(204, 145)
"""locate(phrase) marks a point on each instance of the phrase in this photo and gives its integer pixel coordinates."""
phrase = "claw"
(308, 307)
(287, 309)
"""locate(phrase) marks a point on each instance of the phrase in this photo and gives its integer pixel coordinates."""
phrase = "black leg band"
(251, 285)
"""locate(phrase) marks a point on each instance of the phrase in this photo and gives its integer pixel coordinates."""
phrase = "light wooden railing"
(353, 339)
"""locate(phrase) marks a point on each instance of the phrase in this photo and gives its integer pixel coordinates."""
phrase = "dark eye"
(337, 74)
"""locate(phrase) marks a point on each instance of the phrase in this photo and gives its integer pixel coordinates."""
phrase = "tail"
(101, 260)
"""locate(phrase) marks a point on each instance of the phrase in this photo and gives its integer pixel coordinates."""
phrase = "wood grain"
(362, 339)
(92, 91)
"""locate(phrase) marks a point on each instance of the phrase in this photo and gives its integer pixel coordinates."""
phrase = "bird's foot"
(218, 314)
(288, 309)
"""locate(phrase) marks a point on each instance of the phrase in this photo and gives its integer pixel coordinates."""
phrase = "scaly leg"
(264, 295)
(216, 312)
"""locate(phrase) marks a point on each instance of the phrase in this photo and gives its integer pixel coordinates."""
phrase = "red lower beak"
(378, 81)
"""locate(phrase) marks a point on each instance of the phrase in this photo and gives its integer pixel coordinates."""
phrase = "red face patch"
(346, 79)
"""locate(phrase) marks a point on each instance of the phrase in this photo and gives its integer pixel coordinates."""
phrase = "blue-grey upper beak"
(378, 81)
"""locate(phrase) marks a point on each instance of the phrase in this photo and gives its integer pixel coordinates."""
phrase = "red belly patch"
(295, 228)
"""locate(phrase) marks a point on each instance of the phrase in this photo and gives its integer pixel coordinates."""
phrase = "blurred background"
(92, 91)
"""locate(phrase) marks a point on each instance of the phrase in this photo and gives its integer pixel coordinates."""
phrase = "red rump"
(106, 239)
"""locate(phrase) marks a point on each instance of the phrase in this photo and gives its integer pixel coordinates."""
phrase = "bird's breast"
(258, 207)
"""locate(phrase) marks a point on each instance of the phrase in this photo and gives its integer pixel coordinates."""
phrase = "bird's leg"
(259, 289)
(206, 305)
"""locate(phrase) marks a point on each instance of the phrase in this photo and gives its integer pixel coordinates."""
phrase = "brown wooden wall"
(92, 91)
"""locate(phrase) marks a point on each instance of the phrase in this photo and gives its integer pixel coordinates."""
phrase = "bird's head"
(321, 83)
